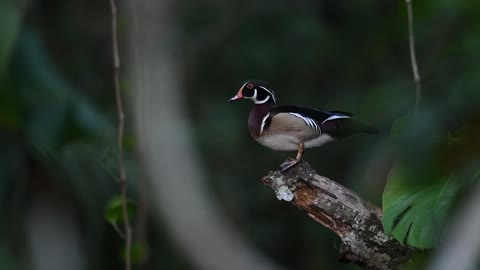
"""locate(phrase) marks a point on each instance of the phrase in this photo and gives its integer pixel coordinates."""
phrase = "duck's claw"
(288, 164)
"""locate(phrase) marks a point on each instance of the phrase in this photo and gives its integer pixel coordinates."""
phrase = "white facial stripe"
(255, 100)
(263, 123)
(261, 101)
(309, 121)
(266, 89)
(270, 92)
(243, 85)
(254, 97)
(333, 117)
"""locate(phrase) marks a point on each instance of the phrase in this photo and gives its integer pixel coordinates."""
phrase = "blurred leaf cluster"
(56, 143)
(57, 116)
(418, 198)
(428, 179)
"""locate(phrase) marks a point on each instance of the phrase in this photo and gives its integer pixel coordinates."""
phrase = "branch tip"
(354, 220)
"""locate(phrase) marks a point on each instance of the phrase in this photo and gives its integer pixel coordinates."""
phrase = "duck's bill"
(236, 97)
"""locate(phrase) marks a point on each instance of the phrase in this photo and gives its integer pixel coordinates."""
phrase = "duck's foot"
(288, 164)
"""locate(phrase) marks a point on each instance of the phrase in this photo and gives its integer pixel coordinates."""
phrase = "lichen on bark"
(356, 221)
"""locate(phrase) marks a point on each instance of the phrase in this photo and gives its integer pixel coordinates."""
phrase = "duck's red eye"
(249, 86)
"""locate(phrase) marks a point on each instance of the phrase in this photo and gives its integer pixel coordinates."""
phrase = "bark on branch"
(357, 222)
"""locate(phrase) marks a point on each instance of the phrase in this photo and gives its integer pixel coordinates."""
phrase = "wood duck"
(293, 128)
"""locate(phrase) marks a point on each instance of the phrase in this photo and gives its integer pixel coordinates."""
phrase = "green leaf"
(11, 13)
(138, 252)
(423, 184)
(114, 211)
(415, 214)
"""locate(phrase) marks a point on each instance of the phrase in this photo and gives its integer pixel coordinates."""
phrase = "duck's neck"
(257, 114)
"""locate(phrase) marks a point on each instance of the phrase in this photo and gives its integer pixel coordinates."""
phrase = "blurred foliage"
(415, 215)
(114, 211)
(426, 180)
(138, 253)
(57, 116)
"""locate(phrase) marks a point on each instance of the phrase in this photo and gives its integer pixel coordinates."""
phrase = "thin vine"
(121, 128)
(413, 57)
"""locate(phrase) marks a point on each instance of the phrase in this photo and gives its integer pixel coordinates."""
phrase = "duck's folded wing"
(291, 124)
(334, 123)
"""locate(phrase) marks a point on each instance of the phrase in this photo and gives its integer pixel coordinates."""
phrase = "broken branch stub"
(355, 221)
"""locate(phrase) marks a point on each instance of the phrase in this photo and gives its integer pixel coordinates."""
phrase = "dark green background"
(58, 118)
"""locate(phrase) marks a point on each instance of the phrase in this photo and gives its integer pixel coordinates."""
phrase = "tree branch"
(355, 221)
